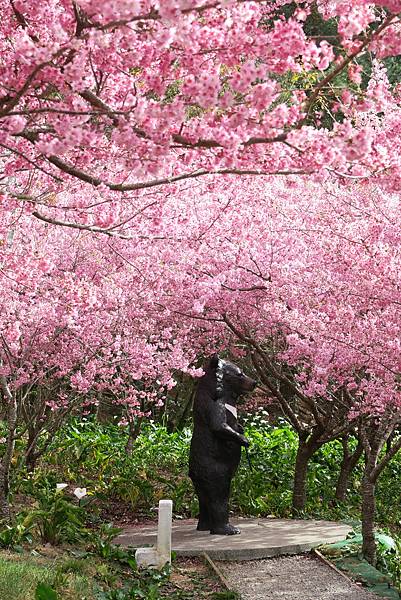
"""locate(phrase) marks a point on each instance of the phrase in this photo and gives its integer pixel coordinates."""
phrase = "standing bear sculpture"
(216, 442)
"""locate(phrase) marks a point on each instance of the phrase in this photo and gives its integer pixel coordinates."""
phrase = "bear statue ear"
(214, 361)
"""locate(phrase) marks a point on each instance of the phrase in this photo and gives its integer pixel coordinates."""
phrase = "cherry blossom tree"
(127, 125)
(74, 326)
(100, 101)
(314, 266)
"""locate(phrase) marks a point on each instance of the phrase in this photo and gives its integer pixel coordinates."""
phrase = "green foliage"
(266, 489)
(102, 541)
(142, 585)
(14, 534)
(393, 66)
(90, 455)
(94, 456)
(45, 592)
(56, 518)
(388, 547)
(389, 556)
(135, 584)
(18, 580)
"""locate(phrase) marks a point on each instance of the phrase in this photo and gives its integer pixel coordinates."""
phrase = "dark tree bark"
(368, 517)
(348, 464)
(374, 435)
(187, 408)
(134, 429)
(10, 443)
(107, 409)
(31, 459)
(306, 449)
(39, 421)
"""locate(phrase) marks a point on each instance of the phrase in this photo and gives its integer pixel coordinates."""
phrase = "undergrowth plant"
(56, 517)
(90, 455)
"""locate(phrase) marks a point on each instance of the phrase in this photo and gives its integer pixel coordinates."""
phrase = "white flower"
(80, 492)
(3, 440)
(61, 486)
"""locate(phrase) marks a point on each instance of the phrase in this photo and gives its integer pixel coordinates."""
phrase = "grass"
(19, 579)
(21, 573)
(91, 578)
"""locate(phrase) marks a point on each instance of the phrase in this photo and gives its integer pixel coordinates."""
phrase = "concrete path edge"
(260, 538)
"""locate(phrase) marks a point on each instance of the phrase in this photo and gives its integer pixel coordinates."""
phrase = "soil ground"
(192, 579)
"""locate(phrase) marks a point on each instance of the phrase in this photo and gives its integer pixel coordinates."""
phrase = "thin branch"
(344, 64)
(283, 402)
(385, 460)
(31, 162)
(18, 95)
(94, 228)
(80, 226)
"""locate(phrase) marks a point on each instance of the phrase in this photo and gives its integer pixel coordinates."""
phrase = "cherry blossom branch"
(28, 160)
(330, 76)
(251, 342)
(179, 139)
(285, 406)
(91, 228)
(10, 104)
(154, 15)
(94, 229)
(129, 187)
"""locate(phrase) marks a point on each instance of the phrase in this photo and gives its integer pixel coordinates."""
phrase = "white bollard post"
(164, 529)
(160, 555)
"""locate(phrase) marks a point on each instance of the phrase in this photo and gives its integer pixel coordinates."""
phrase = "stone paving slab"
(259, 538)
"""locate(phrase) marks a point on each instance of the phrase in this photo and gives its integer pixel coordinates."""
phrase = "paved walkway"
(259, 538)
(291, 578)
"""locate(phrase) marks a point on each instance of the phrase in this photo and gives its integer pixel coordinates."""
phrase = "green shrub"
(90, 455)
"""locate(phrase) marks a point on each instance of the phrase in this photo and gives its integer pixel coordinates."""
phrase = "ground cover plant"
(92, 568)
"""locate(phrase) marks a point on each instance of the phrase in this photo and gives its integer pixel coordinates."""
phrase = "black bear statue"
(216, 442)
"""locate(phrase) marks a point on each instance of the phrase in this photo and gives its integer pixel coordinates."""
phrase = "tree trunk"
(368, 516)
(133, 432)
(10, 443)
(348, 464)
(4, 506)
(188, 405)
(31, 460)
(107, 410)
(375, 438)
(30, 454)
(304, 453)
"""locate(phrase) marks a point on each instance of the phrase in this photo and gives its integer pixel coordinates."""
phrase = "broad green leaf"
(45, 592)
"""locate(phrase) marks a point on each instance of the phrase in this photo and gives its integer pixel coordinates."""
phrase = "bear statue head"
(230, 380)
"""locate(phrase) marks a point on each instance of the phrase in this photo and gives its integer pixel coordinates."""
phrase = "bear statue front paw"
(225, 530)
(245, 442)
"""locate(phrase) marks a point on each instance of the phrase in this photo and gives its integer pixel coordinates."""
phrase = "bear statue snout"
(250, 384)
